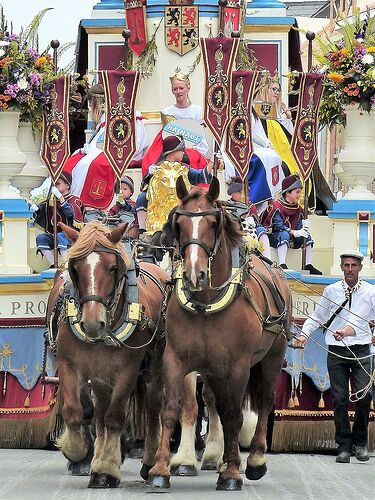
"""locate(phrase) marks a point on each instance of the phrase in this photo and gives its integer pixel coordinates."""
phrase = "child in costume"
(287, 225)
(250, 219)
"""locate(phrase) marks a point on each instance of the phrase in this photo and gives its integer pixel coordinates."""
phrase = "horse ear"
(116, 234)
(214, 191)
(71, 233)
(181, 189)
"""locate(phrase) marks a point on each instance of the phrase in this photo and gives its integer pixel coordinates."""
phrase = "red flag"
(197, 160)
(55, 143)
(120, 89)
(232, 19)
(305, 133)
(135, 14)
(238, 145)
(93, 179)
(218, 55)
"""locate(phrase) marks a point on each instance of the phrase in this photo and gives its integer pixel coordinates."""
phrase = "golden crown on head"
(179, 75)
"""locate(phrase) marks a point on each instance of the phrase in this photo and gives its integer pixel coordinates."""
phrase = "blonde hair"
(264, 86)
(95, 96)
(92, 235)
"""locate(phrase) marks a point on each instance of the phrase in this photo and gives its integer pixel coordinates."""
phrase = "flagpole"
(55, 44)
(126, 34)
(310, 35)
(222, 4)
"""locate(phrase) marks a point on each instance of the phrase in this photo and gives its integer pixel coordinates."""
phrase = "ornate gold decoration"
(163, 187)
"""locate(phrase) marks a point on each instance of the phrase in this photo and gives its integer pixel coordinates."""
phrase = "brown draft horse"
(237, 349)
(97, 264)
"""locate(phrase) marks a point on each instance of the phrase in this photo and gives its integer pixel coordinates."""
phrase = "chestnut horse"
(101, 344)
(229, 319)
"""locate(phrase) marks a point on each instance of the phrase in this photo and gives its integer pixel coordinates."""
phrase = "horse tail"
(135, 412)
(253, 391)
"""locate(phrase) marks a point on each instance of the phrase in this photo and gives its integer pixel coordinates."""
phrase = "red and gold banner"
(305, 134)
(238, 144)
(135, 13)
(120, 90)
(55, 143)
(218, 55)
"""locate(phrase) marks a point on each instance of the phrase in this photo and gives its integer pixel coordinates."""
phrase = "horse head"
(197, 225)
(97, 266)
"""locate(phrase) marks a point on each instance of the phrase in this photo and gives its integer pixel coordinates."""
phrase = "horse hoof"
(102, 481)
(229, 484)
(208, 465)
(184, 470)
(158, 482)
(144, 471)
(255, 473)
(81, 468)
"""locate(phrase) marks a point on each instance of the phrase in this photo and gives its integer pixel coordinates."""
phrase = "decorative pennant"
(238, 145)
(305, 133)
(135, 13)
(181, 28)
(120, 90)
(232, 18)
(218, 55)
(55, 143)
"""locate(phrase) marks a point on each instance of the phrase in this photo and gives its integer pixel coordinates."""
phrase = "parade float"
(164, 38)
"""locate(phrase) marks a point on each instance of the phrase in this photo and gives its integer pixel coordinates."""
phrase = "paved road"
(42, 475)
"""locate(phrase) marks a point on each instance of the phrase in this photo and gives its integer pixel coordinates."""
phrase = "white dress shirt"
(333, 297)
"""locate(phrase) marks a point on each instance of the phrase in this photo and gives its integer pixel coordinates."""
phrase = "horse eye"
(113, 269)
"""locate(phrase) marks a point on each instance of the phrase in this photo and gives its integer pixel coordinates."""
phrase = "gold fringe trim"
(292, 436)
(27, 433)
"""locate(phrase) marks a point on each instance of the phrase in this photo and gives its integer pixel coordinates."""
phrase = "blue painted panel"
(15, 208)
(347, 209)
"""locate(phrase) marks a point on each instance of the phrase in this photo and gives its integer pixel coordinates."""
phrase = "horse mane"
(231, 228)
(92, 235)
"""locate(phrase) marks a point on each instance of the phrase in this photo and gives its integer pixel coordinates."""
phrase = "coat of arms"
(181, 24)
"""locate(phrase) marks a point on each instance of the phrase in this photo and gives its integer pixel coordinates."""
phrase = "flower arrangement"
(348, 60)
(25, 75)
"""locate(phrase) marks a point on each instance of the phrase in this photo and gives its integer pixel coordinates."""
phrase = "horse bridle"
(195, 241)
(111, 301)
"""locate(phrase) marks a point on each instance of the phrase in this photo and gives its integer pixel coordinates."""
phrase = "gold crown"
(179, 75)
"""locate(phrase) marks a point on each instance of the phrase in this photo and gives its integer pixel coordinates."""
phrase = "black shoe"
(343, 457)
(283, 266)
(312, 269)
(361, 453)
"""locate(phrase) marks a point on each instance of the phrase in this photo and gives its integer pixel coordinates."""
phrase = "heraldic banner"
(135, 13)
(305, 133)
(238, 146)
(219, 55)
(120, 90)
(55, 143)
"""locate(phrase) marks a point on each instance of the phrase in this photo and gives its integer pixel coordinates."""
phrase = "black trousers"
(340, 372)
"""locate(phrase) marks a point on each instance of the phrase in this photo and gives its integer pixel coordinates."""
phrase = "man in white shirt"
(335, 313)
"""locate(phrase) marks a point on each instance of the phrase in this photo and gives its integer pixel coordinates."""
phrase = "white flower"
(2, 52)
(368, 59)
(22, 84)
(3, 43)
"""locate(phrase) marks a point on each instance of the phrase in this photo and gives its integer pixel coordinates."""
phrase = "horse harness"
(241, 269)
(69, 303)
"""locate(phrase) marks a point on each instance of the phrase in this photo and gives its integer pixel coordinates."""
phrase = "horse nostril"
(202, 276)
(102, 325)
